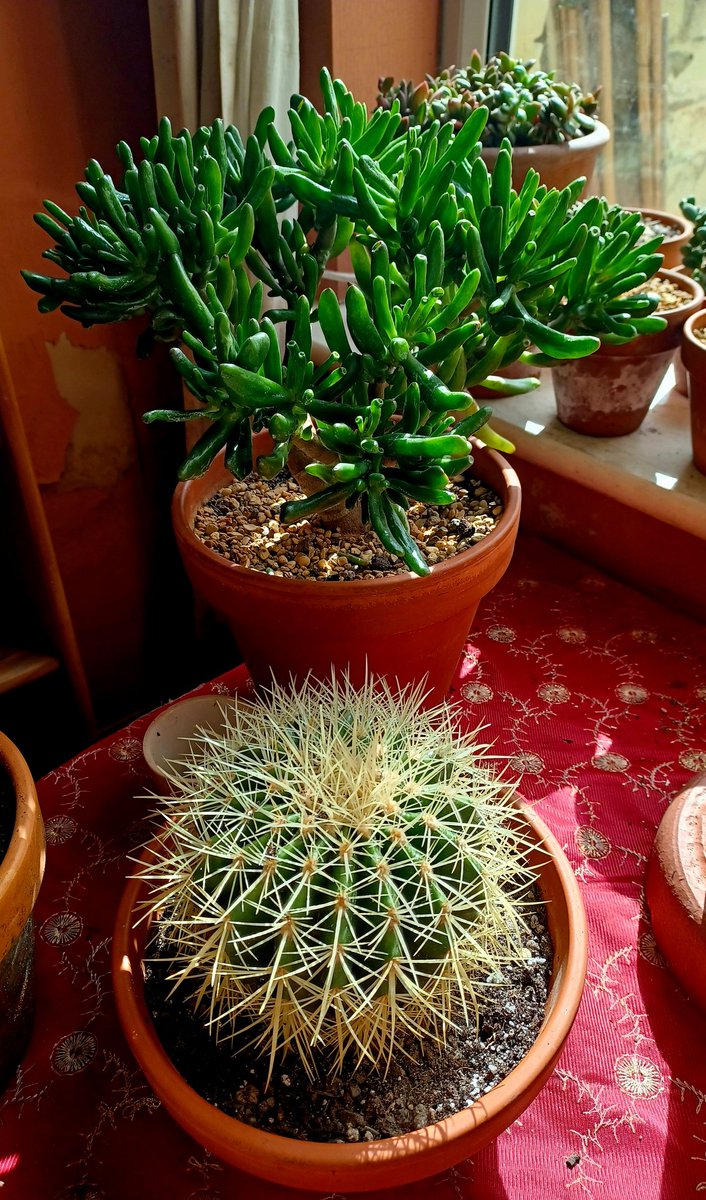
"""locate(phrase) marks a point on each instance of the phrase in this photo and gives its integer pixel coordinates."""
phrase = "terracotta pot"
(680, 381)
(558, 165)
(21, 872)
(329, 1167)
(171, 736)
(671, 246)
(609, 393)
(675, 888)
(693, 354)
(400, 627)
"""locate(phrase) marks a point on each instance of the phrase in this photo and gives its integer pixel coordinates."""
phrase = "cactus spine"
(339, 869)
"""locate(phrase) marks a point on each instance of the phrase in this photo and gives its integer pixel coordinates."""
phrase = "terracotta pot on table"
(402, 627)
(609, 393)
(361, 1167)
(21, 871)
(693, 354)
(675, 888)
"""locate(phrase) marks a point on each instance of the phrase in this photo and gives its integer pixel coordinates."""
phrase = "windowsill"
(649, 470)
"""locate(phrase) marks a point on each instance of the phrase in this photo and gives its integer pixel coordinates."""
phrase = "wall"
(77, 77)
(365, 40)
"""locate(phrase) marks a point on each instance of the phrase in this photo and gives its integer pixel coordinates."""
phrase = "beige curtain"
(224, 58)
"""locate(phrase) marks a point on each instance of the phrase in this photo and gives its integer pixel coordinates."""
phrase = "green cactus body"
(337, 870)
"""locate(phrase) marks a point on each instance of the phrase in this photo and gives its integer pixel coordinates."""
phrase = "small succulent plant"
(339, 870)
(527, 106)
(694, 252)
(457, 274)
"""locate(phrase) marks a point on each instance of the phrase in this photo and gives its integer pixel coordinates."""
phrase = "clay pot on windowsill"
(401, 627)
(558, 165)
(609, 393)
(693, 354)
(671, 246)
(21, 871)
(675, 888)
(359, 1167)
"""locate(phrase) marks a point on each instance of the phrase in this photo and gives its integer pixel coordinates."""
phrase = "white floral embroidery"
(592, 584)
(126, 750)
(700, 693)
(572, 636)
(650, 951)
(591, 842)
(643, 635)
(62, 929)
(638, 1076)
(477, 693)
(59, 829)
(693, 760)
(610, 762)
(502, 633)
(73, 1053)
(531, 764)
(554, 693)
(631, 693)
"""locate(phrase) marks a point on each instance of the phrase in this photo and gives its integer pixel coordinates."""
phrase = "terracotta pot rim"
(306, 587)
(22, 868)
(668, 338)
(682, 227)
(597, 137)
(696, 321)
(565, 996)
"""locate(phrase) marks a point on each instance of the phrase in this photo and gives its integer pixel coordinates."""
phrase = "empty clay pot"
(359, 1167)
(176, 731)
(675, 888)
(609, 393)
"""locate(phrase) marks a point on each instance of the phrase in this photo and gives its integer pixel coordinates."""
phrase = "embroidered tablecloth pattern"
(598, 697)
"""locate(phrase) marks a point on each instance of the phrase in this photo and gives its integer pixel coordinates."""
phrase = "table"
(598, 696)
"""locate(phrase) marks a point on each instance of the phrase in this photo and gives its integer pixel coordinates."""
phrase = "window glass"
(649, 57)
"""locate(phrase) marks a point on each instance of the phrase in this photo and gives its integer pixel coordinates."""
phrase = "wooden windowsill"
(18, 667)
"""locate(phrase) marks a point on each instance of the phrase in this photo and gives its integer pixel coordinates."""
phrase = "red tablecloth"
(598, 695)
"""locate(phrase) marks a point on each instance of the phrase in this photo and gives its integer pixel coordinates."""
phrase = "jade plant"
(338, 871)
(456, 276)
(528, 106)
(694, 252)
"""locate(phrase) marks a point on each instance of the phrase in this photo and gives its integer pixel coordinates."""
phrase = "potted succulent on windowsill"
(693, 256)
(456, 275)
(640, 324)
(551, 125)
(340, 896)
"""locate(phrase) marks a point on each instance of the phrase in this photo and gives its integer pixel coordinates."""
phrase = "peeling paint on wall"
(101, 447)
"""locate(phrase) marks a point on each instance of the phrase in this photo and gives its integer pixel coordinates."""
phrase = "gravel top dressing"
(241, 522)
(655, 228)
(670, 297)
(700, 334)
(421, 1086)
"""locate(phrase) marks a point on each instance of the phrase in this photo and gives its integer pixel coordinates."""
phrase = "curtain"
(224, 58)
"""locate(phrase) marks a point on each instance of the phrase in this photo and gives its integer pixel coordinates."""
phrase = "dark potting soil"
(422, 1086)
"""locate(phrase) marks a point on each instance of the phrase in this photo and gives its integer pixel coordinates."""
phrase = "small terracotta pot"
(401, 627)
(693, 354)
(361, 1167)
(171, 736)
(609, 393)
(21, 872)
(671, 246)
(558, 165)
(675, 888)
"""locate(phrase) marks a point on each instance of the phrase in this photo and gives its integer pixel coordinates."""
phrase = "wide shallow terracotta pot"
(401, 627)
(21, 872)
(609, 393)
(693, 353)
(675, 888)
(559, 165)
(364, 1167)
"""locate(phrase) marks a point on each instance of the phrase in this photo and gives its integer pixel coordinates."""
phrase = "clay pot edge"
(562, 1006)
(22, 868)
